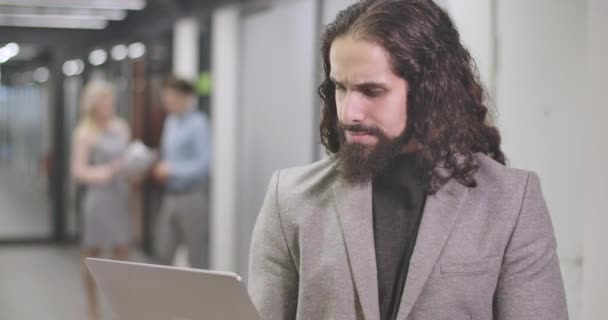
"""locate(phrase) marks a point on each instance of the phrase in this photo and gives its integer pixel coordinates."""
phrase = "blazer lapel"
(439, 216)
(353, 206)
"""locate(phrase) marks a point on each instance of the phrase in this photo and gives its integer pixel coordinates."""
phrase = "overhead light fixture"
(52, 22)
(41, 74)
(109, 14)
(49, 17)
(98, 57)
(80, 66)
(137, 50)
(70, 14)
(73, 67)
(12, 48)
(119, 52)
(8, 51)
(4, 55)
(91, 4)
(69, 68)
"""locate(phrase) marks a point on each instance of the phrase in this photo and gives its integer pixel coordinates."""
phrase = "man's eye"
(372, 93)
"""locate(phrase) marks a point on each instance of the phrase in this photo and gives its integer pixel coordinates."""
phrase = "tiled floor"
(41, 282)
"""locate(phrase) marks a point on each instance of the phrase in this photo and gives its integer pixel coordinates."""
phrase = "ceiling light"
(92, 4)
(73, 67)
(69, 68)
(49, 17)
(109, 14)
(98, 57)
(119, 52)
(41, 74)
(137, 50)
(42, 22)
(12, 48)
(79, 66)
(4, 55)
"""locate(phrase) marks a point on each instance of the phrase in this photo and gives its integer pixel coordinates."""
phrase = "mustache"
(359, 128)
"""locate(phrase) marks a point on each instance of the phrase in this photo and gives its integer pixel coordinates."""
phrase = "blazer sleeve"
(530, 285)
(273, 276)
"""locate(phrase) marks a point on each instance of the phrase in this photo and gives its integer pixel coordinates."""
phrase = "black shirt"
(398, 202)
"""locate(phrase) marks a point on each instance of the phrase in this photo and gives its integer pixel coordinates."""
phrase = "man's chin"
(367, 147)
(362, 162)
(365, 139)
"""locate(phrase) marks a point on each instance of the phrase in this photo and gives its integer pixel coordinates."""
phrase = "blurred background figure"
(184, 169)
(98, 143)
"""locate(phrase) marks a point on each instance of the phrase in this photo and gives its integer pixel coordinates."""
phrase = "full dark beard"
(358, 163)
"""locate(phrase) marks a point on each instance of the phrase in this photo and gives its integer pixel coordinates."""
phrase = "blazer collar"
(353, 205)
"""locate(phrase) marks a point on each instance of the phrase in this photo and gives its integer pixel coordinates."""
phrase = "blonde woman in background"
(98, 143)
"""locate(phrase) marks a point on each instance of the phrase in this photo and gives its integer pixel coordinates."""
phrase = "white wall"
(332, 7)
(224, 112)
(475, 22)
(531, 57)
(186, 42)
(262, 109)
(594, 111)
(276, 103)
(540, 95)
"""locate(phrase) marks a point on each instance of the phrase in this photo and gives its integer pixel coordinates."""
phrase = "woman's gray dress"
(106, 218)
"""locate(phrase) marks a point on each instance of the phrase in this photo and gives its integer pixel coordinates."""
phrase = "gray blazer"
(483, 253)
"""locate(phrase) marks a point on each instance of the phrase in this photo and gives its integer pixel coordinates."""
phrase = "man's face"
(368, 93)
(371, 104)
(175, 101)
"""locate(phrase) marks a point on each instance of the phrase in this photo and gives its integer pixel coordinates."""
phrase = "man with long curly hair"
(414, 214)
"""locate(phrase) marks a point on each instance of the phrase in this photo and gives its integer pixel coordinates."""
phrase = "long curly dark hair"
(446, 110)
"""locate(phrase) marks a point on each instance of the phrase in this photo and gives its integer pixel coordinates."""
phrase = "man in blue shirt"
(184, 169)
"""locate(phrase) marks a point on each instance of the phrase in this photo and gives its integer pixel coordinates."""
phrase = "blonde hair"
(91, 94)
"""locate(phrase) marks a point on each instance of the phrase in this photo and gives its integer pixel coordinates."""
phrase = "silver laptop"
(136, 291)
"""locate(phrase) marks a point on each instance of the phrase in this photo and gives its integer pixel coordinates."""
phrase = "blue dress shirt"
(186, 148)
